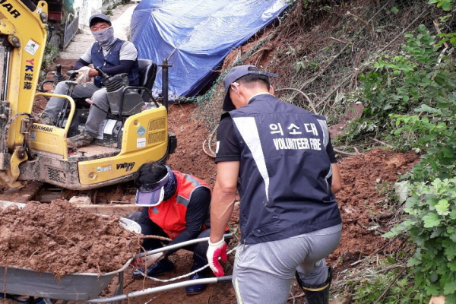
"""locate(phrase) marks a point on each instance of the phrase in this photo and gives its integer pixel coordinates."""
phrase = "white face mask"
(104, 37)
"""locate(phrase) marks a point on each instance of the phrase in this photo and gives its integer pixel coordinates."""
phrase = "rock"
(401, 189)
(85, 200)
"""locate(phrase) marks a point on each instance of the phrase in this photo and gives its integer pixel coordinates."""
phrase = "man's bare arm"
(223, 198)
(336, 184)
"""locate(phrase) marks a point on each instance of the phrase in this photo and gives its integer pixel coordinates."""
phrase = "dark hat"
(235, 74)
(99, 18)
(153, 195)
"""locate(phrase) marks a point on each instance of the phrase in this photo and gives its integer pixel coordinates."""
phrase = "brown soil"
(61, 239)
(366, 203)
(190, 157)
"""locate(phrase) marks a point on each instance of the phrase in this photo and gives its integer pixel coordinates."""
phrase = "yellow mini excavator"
(131, 135)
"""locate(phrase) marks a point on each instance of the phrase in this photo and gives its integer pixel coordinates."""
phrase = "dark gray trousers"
(97, 95)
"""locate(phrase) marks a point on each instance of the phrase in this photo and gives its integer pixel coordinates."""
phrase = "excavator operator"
(108, 54)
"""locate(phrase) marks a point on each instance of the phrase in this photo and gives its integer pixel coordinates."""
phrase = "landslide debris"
(61, 239)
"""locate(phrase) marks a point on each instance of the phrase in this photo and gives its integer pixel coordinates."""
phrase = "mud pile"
(62, 239)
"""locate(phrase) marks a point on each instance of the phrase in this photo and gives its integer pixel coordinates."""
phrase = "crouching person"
(175, 206)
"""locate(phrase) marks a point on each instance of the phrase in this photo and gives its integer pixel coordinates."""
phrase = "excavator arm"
(23, 37)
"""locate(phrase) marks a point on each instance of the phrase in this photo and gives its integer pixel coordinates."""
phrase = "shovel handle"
(179, 245)
(160, 288)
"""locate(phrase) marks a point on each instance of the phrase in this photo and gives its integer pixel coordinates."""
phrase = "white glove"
(146, 261)
(83, 75)
(214, 252)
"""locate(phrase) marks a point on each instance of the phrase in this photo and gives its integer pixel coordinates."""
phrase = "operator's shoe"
(316, 294)
(198, 288)
(160, 267)
(46, 120)
(82, 139)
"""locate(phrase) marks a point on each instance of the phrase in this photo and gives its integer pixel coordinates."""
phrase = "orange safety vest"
(170, 214)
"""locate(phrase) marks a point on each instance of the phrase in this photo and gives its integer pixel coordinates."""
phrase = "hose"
(211, 152)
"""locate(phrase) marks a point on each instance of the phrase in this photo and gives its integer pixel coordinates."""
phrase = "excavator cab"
(125, 101)
(131, 135)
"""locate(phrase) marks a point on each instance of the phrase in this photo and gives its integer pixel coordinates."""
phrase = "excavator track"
(22, 195)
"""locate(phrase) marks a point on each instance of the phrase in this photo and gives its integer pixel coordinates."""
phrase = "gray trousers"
(263, 272)
(97, 95)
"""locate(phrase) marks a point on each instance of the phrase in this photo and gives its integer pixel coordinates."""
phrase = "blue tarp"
(196, 35)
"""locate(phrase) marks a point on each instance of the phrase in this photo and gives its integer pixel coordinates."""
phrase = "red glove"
(214, 252)
(148, 260)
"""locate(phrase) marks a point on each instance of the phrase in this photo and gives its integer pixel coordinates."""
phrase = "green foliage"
(50, 54)
(397, 84)
(302, 65)
(370, 289)
(432, 91)
(413, 97)
(432, 131)
(420, 80)
(431, 225)
(451, 38)
(446, 5)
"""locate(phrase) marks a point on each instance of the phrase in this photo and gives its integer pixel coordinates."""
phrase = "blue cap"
(233, 75)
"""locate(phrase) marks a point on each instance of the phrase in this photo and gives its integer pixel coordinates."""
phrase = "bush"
(431, 225)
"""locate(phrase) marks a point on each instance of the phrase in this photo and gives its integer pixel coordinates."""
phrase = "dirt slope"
(365, 200)
(365, 208)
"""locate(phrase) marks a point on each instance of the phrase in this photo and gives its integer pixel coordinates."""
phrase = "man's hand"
(214, 252)
(83, 75)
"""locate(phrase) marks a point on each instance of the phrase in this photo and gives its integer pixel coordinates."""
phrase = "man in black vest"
(111, 55)
(280, 159)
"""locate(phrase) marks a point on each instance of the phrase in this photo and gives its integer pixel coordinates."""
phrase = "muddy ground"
(62, 240)
(366, 203)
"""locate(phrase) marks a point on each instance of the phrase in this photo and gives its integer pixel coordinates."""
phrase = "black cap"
(99, 18)
(235, 74)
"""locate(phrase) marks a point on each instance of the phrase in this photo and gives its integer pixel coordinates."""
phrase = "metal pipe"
(160, 288)
(165, 82)
(179, 245)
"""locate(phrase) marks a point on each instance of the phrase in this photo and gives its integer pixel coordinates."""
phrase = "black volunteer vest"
(285, 171)
(112, 59)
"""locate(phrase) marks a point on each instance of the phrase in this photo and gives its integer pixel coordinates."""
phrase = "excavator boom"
(22, 43)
